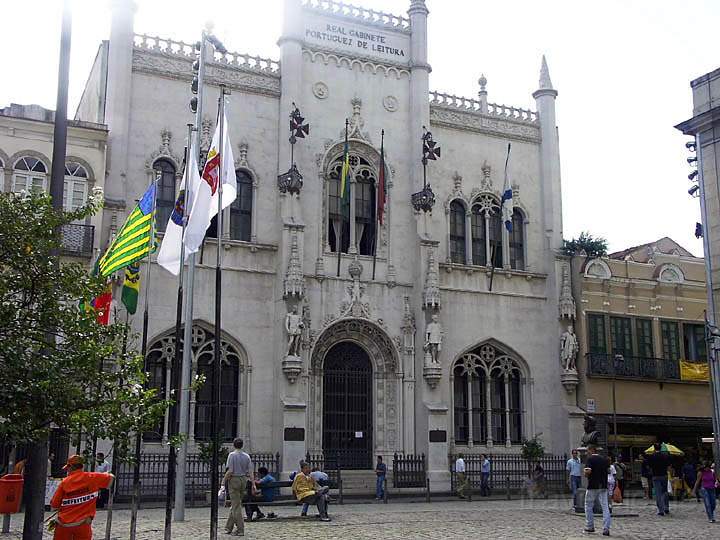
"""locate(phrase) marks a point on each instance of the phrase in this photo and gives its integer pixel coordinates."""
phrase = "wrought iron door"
(347, 406)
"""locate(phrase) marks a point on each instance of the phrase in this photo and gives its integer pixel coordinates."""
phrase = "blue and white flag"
(506, 203)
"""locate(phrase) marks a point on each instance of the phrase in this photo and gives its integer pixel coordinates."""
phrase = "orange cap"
(74, 460)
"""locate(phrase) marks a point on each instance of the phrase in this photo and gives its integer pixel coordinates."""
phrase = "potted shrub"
(532, 451)
(205, 453)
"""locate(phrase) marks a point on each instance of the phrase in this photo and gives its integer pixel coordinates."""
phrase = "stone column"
(549, 160)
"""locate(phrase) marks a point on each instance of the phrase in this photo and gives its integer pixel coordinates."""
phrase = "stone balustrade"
(477, 106)
(186, 50)
(368, 16)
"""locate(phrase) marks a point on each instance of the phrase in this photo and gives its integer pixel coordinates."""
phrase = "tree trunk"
(35, 476)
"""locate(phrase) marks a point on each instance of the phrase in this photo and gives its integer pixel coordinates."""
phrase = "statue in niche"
(433, 339)
(294, 326)
(591, 435)
(568, 349)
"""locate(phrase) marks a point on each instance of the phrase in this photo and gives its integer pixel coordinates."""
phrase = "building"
(642, 348)
(363, 381)
(704, 127)
(26, 140)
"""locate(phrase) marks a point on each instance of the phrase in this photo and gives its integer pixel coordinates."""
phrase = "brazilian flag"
(134, 241)
(131, 288)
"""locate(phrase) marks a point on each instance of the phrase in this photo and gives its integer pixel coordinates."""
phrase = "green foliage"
(592, 246)
(58, 366)
(206, 452)
(532, 449)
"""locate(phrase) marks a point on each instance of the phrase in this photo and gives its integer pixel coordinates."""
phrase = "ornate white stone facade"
(373, 71)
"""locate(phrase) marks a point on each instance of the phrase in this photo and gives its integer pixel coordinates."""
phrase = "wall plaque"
(438, 435)
(294, 434)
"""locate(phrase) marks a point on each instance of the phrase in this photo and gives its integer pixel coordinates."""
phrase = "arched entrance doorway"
(347, 406)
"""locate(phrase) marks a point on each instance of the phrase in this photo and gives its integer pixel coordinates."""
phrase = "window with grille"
(166, 194)
(517, 241)
(241, 208)
(457, 232)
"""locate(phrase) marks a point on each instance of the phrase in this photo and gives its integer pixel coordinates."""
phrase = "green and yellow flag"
(345, 175)
(134, 241)
(131, 288)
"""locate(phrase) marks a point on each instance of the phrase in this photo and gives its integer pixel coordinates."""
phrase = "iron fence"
(77, 239)
(409, 470)
(153, 475)
(512, 467)
(632, 367)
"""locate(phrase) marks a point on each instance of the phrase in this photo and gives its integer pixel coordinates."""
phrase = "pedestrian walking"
(380, 473)
(574, 470)
(611, 482)
(596, 470)
(620, 471)
(238, 470)
(689, 475)
(706, 482)
(484, 476)
(645, 476)
(659, 462)
(462, 483)
(75, 499)
(540, 483)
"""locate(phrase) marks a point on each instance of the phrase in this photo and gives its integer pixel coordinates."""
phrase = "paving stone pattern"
(547, 519)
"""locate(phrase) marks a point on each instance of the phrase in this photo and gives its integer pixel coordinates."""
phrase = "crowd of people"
(606, 482)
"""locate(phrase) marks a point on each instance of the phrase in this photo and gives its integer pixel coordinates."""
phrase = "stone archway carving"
(386, 380)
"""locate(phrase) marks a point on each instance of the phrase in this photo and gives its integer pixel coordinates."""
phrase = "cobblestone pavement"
(549, 519)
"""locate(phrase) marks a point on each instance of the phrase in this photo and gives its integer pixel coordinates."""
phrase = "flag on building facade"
(345, 175)
(134, 240)
(382, 188)
(506, 203)
(131, 288)
(205, 199)
(169, 254)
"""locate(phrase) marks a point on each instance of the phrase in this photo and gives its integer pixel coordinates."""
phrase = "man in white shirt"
(462, 483)
(238, 470)
(574, 469)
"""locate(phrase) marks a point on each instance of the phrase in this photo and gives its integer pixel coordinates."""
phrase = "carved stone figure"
(591, 435)
(433, 339)
(294, 327)
(568, 349)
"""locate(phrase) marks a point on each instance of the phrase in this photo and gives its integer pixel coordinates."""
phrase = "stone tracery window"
(160, 357)
(517, 241)
(363, 192)
(241, 208)
(486, 231)
(488, 389)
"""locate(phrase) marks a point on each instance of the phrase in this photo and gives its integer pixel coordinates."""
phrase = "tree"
(58, 366)
(585, 244)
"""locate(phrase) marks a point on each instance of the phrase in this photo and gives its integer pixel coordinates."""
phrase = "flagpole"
(143, 351)
(216, 367)
(189, 285)
(343, 185)
(175, 379)
(378, 194)
(114, 461)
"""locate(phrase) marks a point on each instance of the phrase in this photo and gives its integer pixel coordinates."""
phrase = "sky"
(622, 69)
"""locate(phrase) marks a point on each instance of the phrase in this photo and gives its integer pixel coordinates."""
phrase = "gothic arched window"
(496, 234)
(166, 195)
(487, 398)
(241, 208)
(517, 241)
(479, 256)
(457, 232)
(362, 191)
(159, 362)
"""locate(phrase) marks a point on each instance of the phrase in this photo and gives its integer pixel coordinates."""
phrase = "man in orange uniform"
(76, 497)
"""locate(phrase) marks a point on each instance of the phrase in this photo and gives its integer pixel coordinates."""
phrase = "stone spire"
(294, 282)
(545, 82)
(431, 291)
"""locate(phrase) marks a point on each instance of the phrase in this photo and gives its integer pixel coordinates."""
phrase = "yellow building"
(642, 348)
